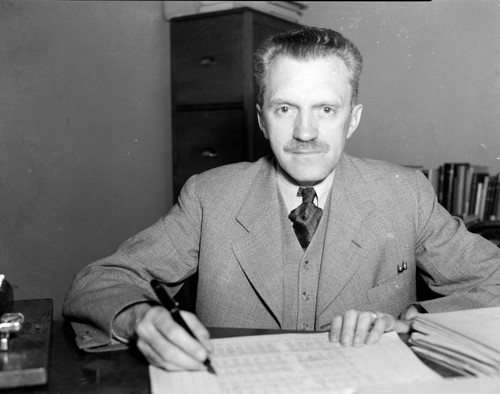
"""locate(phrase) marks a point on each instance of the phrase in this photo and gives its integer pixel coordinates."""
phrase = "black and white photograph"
(249, 197)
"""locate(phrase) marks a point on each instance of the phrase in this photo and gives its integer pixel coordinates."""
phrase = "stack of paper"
(467, 342)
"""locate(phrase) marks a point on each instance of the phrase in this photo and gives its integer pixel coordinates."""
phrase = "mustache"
(313, 146)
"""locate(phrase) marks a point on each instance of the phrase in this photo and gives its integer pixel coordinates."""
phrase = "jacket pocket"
(392, 291)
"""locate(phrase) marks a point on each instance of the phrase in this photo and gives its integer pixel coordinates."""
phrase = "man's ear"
(260, 118)
(355, 118)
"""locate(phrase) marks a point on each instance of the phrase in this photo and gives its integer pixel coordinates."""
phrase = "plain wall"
(431, 82)
(85, 138)
(85, 147)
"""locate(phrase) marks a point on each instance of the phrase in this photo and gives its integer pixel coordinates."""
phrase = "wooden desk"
(125, 372)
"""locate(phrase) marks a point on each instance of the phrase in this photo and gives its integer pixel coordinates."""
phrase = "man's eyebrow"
(281, 101)
(328, 104)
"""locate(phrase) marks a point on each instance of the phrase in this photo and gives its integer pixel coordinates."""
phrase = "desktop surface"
(72, 370)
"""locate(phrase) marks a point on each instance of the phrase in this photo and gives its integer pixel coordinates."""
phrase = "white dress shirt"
(288, 189)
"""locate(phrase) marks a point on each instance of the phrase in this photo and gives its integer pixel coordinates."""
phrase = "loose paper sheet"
(466, 341)
(296, 363)
(481, 325)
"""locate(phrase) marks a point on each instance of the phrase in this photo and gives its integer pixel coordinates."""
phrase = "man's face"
(306, 115)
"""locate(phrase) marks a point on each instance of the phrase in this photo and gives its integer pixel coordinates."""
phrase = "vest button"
(305, 296)
(307, 265)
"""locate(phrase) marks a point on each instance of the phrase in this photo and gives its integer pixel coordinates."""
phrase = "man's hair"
(305, 44)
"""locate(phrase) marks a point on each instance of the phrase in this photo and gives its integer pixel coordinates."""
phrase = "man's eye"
(283, 109)
(327, 110)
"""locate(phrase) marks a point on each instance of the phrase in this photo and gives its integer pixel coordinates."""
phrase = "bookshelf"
(466, 190)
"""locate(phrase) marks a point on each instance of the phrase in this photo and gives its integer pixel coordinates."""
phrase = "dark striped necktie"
(306, 216)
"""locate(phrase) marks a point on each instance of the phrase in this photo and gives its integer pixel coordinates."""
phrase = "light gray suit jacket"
(226, 226)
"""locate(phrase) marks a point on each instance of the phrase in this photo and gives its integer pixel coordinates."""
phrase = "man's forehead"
(287, 73)
(326, 66)
(334, 60)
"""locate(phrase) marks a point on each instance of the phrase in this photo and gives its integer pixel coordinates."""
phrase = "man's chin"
(307, 179)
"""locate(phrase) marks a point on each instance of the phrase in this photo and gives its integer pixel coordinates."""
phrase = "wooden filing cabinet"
(213, 90)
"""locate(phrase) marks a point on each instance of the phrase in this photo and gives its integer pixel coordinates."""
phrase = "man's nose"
(305, 127)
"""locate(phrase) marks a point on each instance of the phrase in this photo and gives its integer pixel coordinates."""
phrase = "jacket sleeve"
(168, 250)
(461, 266)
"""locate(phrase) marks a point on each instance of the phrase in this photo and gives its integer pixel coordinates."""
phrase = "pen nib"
(210, 369)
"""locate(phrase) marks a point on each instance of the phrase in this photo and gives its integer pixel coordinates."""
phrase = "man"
(310, 239)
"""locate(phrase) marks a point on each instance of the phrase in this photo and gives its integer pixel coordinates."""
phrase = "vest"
(301, 270)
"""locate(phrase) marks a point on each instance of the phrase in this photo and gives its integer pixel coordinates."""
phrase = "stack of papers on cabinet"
(467, 341)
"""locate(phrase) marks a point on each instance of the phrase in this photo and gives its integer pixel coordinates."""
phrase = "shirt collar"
(288, 190)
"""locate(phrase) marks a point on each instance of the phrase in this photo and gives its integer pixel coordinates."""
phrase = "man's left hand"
(356, 328)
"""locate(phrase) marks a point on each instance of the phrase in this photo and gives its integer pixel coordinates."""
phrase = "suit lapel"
(346, 238)
(258, 250)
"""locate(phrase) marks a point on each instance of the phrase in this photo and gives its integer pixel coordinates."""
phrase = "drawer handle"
(207, 61)
(209, 153)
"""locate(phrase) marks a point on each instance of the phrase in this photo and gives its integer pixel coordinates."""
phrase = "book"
(467, 193)
(477, 189)
(290, 10)
(479, 193)
(465, 341)
(466, 190)
(459, 188)
(297, 6)
(449, 174)
(441, 186)
(484, 193)
(489, 213)
(496, 199)
(453, 186)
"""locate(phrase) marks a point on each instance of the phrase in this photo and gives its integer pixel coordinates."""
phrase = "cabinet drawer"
(206, 139)
(208, 64)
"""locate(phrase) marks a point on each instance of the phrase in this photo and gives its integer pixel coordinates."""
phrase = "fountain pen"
(173, 307)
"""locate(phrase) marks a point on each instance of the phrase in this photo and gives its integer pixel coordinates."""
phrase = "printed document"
(296, 363)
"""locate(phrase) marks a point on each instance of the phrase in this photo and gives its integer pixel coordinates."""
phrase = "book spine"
(449, 173)
(490, 199)
(459, 189)
(441, 185)
(484, 191)
(496, 203)
(468, 188)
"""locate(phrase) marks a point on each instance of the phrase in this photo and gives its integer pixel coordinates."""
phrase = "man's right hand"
(165, 343)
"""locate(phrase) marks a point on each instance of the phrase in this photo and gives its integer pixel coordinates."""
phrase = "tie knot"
(307, 194)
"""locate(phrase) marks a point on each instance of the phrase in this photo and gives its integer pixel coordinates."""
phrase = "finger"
(163, 354)
(379, 327)
(400, 326)
(155, 358)
(363, 326)
(169, 341)
(178, 336)
(336, 328)
(152, 357)
(393, 324)
(198, 329)
(349, 323)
